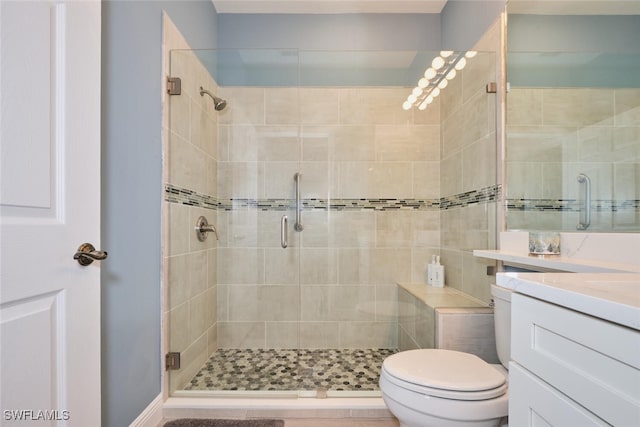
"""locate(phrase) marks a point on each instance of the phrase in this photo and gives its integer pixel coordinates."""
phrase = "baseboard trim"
(151, 416)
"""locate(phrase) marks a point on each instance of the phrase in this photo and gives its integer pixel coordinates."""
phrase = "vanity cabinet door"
(534, 403)
(594, 362)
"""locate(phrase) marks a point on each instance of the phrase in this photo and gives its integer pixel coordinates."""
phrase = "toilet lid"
(444, 369)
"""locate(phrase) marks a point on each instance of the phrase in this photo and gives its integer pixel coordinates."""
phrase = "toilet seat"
(445, 373)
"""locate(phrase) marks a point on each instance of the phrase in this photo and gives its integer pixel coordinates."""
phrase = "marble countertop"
(614, 297)
(556, 262)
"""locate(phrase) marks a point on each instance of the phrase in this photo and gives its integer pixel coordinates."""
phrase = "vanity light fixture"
(436, 77)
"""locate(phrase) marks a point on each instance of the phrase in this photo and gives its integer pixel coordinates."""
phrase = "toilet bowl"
(447, 388)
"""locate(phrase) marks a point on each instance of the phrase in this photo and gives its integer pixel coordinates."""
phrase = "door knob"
(86, 254)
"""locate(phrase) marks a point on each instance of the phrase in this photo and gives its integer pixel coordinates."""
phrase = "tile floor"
(284, 369)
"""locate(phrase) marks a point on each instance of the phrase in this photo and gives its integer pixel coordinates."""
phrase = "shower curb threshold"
(248, 408)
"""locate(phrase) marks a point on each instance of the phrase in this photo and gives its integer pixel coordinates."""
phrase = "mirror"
(573, 116)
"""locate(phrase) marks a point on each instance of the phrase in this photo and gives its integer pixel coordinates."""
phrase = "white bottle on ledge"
(437, 271)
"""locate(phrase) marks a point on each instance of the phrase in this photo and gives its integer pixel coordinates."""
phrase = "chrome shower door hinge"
(174, 85)
(172, 361)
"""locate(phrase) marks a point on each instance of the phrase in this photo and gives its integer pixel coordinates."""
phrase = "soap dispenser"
(430, 270)
(437, 274)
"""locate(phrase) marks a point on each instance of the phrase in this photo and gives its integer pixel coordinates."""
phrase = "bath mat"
(195, 422)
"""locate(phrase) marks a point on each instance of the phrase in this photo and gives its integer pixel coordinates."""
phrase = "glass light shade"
(461, 64)
(471, 54)
(423, 105)
(417, 91)
(412, 98)
(422, 83)
(437, 63)
(429, 99)
(435, 92)
(429, 73)
(406, 105)
(446, 53)
(451, 74)
(443, 83)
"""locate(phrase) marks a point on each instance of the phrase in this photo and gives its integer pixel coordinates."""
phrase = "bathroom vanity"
(575, 351)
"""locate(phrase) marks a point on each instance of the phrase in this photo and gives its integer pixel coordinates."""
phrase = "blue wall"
(465, 21)
(330, 32)
(573, 51)
(132, 195)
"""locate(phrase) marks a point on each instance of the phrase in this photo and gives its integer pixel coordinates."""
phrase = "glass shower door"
(233, 303)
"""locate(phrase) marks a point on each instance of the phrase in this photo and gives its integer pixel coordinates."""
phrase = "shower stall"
(324, 194)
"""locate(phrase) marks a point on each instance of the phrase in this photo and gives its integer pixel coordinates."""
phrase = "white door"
(49, 206)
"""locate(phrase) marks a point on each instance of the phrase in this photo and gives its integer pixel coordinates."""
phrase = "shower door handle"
(298, 225)
(584, 179)
(283, 231)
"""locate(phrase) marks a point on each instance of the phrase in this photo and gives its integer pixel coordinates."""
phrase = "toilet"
(449, 388)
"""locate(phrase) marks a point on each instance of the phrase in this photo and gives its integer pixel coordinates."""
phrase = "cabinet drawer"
(533, 403)
(596, 363)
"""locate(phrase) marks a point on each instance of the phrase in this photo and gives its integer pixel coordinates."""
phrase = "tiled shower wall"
(190, 272)
(556, 133)
(383, 190)
(355, 148)
(468, 171)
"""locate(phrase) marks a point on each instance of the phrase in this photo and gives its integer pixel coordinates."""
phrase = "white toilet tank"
(502, 322)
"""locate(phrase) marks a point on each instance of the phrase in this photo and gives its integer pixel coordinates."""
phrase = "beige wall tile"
(281, 266)
(479, 164)
(178, 229)
(240, 266)
(282, 105)
(368, 335)
(426, 180)
(282, 335)
(372, 106)
(577, 107)
(541, 144)
(240, 180)
(320, 106)
(318, 266)
(407, 143)
(451, 175)
(244, 106)
(241, 335)
(319, 335)
(360, 266)
(179, 328)
(408, 228)
(351, 229)
(375, 180)
(524, 107)
(263, 303)
(627, 107)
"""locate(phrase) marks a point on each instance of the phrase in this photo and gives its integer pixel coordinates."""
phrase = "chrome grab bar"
(584, 179)
(298, 225)
(283, 231)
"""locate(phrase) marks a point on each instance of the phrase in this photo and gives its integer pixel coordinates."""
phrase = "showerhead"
(218, 103)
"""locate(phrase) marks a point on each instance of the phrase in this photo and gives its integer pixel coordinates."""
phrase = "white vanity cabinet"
(569, 368)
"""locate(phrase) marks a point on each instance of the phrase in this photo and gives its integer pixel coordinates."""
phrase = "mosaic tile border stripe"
(542, 205)
(174, 194)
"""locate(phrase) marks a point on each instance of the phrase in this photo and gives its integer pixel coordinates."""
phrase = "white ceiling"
(542, 7)
(329, 6)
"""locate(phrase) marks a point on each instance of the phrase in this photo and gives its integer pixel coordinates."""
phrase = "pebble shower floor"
(255, 369)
